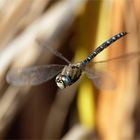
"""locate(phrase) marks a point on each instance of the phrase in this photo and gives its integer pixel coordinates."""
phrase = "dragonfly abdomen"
(103, 46)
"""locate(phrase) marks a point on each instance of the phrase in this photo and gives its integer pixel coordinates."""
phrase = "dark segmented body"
(72, 72)
(102, 47)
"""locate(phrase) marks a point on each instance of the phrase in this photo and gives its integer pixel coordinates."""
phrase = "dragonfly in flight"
(66, 75)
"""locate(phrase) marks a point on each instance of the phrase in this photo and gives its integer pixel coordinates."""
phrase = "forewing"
(121, 59)
(33, 75)
(52, 50)
(104, 80)
(101, 80)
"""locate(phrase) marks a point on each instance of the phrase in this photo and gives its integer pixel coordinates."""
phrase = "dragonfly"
(65, 75)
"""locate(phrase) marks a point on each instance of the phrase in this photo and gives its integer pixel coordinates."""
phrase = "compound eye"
(60, 82)
(66, 80)
(63, 81)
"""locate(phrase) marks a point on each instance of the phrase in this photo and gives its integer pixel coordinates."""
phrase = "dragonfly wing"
(52, 50)
(101, 80)
(121, 58)
(33, 75)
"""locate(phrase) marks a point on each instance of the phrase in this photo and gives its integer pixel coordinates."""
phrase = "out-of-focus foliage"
(75, 28)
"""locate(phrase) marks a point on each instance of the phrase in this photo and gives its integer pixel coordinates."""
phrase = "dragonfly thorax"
(70, 74)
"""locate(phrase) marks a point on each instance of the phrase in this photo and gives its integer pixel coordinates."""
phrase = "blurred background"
(75, 28)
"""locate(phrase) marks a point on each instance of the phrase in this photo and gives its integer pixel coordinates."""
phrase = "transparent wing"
(101, 80)
(52, 50)
(33, 75)
(121, 58)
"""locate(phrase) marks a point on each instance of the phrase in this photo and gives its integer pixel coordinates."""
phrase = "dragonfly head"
(62, 81)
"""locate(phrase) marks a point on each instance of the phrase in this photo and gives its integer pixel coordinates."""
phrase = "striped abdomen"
(103, 46)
